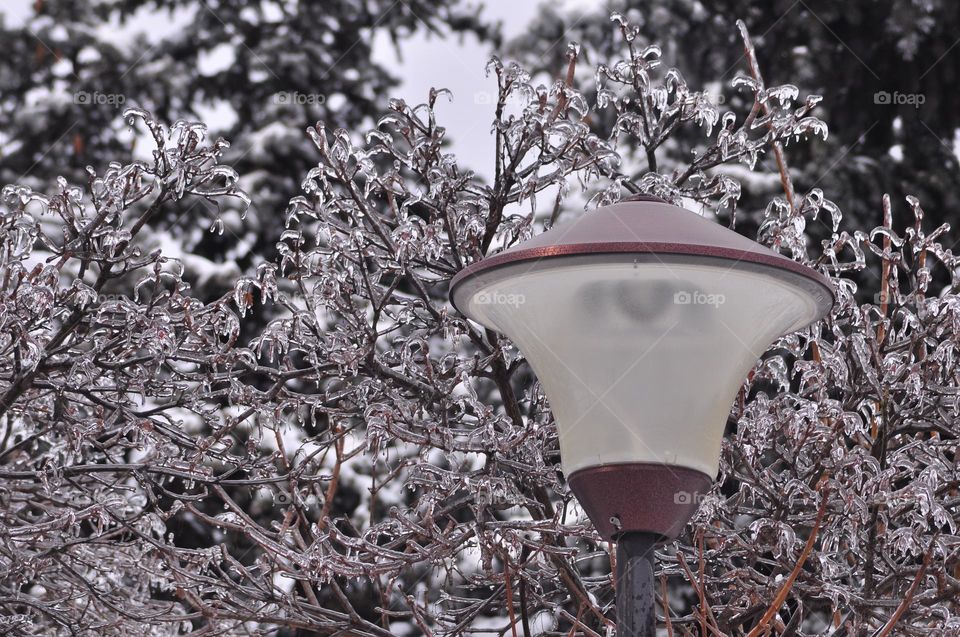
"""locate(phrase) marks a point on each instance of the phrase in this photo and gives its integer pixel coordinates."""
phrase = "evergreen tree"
(884, 66)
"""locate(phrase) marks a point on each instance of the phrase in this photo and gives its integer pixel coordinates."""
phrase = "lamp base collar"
(641, 497)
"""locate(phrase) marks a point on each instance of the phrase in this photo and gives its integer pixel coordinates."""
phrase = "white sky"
(460, 67)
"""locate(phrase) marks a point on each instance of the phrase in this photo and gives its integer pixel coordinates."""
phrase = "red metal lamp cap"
(648, 225)
(644, 497)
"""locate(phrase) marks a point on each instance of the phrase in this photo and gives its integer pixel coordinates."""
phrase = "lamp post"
(641, 320)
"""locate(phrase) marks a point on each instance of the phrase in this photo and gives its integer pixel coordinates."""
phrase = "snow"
(17, 13)
(147, 27)
(217, 59)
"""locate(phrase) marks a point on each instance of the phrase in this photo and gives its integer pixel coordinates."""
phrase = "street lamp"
(641, 320)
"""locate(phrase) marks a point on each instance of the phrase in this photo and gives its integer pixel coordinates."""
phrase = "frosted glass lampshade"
(641, 321)
(641, 359)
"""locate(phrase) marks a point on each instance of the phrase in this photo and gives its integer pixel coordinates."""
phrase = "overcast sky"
(461, 68)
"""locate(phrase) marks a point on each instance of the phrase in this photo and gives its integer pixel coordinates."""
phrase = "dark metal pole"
(636, 592)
